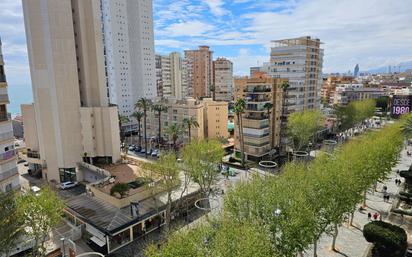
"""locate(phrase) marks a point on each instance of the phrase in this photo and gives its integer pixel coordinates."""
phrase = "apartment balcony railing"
(8, 173)
(4, 98)
(33, 154)
(257, 90)
(7, 155)
(2, 78)
(256, 136)
(6, 135)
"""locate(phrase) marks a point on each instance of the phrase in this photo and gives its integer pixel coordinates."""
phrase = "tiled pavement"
(350, 241)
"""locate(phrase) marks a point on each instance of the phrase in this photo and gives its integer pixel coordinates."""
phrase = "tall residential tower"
(71, 119)
(129, 51)
(300, 61)
(9, 177)
(199, 71)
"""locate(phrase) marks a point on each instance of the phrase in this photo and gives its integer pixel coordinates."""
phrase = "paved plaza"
(350, 241)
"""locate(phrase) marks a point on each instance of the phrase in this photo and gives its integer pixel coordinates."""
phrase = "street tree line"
(286, 215)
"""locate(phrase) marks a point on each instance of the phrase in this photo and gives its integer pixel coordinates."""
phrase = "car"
(143, 150)
(67, 185)
(131, 148)
(149, 152)
(138, 149)
(155, 152)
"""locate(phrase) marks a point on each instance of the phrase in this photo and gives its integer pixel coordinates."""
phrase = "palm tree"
(122, 120)
(174, 131)
(268, 107)
(284, 86)
(407, 127)
(189, 123)
(159, 108)
(138, 115)
(144, 105)
(213, 90)
(239, 109)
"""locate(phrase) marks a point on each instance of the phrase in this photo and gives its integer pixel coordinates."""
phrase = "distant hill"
(403, 67)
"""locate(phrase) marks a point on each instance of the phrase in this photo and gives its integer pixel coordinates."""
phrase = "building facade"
(300, 61)
(9, 177)
(261, 130)
(71, 119)
(129, 52)
(169, 75)
(329, 86)
(211, 116)
(346, 93)
(199, 71)
(223, 79)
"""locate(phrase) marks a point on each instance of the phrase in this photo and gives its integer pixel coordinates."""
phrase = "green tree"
(355, 112)
(302, 126)
(189, 123)
(10, 223)
(212, 89)
(239, 109)
(120, 188)
(201, 159)
(159, 108)
(168, 170)
(138, 115)
(122, 121)
(144, 105)
(41, 213)
(388, 239)
(174, 131)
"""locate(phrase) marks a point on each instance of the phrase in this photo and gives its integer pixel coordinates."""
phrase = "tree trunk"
(160, 128)
(352, 214)
(190, 134)
(364, 199)
(145, 136)
(139, 135)
(270, 129)
(335, 235)
(315, 248)
(168, 212)
(242, 154)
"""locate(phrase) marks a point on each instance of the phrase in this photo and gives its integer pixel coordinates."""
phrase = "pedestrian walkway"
(350, 241)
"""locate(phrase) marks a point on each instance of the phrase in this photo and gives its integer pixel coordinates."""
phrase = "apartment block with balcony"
(199, 72)
(71, 119)
(299, 60)
(346, 93)
(261, 129)
(212, 117)
(223, 79)
(329, 86)
(9, 177)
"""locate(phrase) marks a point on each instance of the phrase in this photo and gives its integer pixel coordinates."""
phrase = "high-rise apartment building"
(169, 75)
(129, 51)
(261, 127)
(223, 79)
(300, 61)
(199, 71)
(9, 177)
(70, 120)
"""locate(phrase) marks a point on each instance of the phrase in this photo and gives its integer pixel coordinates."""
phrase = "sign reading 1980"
(401, 105)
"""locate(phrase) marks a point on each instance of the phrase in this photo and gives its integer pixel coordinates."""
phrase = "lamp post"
(276, 213)
(62, 247)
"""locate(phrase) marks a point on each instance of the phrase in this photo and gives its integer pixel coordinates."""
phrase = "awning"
(98, 241)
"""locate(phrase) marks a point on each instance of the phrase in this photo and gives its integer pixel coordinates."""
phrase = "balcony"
(257, 98)
(4, 98)
(255, 123)
(8, 173)
(7, 155)
(257, 90)
(6, 136)
(33, 154)
(2, 78)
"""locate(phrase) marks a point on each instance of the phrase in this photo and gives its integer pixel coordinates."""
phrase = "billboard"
(401, 104)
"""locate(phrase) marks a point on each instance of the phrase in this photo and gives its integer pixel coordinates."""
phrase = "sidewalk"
(350, 241)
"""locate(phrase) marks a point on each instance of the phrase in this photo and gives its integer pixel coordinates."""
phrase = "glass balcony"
(7, 155)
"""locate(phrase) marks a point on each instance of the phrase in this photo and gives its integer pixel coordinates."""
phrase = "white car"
(67, 185)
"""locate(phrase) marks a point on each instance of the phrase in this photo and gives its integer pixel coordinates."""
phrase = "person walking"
(369, 216)
(375, 216)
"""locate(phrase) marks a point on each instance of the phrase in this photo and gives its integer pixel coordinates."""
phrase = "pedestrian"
(369, 216)
(384, 197)
(385, 188)
(375, 216)
(387, 198)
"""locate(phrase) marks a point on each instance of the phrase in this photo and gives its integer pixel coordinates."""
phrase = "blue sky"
(372, 33)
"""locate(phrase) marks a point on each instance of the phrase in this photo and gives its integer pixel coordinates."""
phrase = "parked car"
(67, 185)
(138, 149)
(155, 152)
(143, 150)
(131, 148)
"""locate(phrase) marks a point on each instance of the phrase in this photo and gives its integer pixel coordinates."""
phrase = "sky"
(373, 33)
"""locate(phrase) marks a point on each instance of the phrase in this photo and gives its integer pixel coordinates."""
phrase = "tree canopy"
(302, 126)
(355, 112)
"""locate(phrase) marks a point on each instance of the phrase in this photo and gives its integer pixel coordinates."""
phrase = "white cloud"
(189, 29)
(216, 7)
(246, 59)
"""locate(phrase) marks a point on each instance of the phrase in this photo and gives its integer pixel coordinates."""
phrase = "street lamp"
(63, 250)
